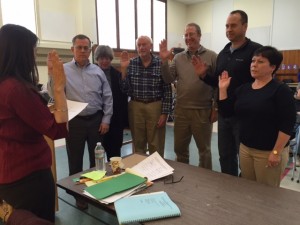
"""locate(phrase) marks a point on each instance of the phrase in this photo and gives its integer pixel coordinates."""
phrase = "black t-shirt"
(262, 113)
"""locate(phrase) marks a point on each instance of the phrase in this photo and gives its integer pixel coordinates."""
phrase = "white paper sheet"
(153, 167)
(74, 108)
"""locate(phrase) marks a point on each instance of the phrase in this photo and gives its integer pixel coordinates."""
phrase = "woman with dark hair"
(26, 181)
(266, 113)
(113, 139)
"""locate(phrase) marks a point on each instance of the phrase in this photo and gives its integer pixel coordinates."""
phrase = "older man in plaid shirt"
(151, 98)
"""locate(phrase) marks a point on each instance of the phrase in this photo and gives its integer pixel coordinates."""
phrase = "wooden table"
(212, 198)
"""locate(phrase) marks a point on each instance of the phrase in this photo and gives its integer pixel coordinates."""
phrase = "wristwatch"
(275, 152)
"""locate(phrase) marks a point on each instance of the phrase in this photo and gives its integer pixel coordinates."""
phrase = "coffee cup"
(116, 164)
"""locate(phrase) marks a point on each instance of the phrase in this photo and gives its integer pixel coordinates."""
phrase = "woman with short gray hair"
(113, 139)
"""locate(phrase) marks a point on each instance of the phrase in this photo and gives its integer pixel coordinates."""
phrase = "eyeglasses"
(189, 35)
(84, 48)
(170, 180)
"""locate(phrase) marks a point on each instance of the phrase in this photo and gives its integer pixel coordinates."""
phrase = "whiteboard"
(206, 40)
(221, 9)
(56, 26)
(286, 32)
(260, 35)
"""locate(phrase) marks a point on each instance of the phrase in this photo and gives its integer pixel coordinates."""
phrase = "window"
(120, 22)
(19, 12)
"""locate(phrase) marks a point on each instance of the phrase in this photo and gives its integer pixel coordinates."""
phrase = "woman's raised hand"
(56, 70)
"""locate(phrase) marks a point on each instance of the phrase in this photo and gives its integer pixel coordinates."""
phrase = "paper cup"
(116, 164)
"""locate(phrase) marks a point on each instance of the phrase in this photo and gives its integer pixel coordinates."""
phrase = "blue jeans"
(228, 144)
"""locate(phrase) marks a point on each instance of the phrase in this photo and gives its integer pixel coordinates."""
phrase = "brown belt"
(145, 101)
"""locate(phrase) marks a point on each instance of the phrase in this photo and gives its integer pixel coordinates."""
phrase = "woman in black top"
(113, 139)
(266, 113)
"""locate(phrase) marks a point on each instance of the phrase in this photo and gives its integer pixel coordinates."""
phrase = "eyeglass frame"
(80, 48)
(191, 34)
(172, 180)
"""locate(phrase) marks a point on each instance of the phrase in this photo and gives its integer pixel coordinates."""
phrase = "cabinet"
(290, 65)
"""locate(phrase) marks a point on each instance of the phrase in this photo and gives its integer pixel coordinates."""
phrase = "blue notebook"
(145, 207)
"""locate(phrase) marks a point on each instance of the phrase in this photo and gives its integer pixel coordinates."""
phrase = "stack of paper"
(153, 167)
(133, 180)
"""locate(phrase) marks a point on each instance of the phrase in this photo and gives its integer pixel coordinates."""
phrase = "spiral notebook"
(145, 207)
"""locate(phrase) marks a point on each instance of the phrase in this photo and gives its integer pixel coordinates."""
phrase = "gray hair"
(197, 27)
(143, 37)
(103, 51)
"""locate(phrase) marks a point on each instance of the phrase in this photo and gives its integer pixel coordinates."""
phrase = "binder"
(115, 185)
(145, 207)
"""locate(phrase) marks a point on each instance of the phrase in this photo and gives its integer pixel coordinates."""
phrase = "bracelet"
(60, 110)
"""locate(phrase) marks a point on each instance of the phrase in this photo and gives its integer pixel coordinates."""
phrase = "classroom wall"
(286, 32)
(176, 20)
(59, 21)
(270, 22)
(212, 15)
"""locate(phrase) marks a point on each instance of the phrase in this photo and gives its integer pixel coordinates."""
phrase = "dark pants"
(112, 142)
(82, 130)
(228, 143)
(34, 193)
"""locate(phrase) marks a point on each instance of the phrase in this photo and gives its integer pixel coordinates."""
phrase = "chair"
(294, 146)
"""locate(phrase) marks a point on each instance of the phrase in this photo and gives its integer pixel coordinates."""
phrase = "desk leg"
(53, 167)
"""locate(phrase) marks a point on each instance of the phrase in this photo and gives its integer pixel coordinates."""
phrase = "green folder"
(115, 185)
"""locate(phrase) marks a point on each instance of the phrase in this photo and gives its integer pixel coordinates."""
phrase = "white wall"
(220, 12)
(60, 20)
(270, 22)
(286, 32)
(176, 21)
(212, 15)
(199, 13)
(57, 22)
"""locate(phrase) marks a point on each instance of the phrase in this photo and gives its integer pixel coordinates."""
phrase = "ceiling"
(189, 2)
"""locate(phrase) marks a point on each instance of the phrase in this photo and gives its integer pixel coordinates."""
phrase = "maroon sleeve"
(30, 108)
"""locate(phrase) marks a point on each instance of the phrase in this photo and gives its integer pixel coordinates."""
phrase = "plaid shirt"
(147, 83)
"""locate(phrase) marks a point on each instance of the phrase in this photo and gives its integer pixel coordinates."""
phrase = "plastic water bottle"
(100, 157)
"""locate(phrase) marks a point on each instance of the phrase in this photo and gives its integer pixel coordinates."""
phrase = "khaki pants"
(253, 165)
(143, 119)
(196, 123)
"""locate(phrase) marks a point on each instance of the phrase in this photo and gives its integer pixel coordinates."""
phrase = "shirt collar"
(198, 52)
(86, 65)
